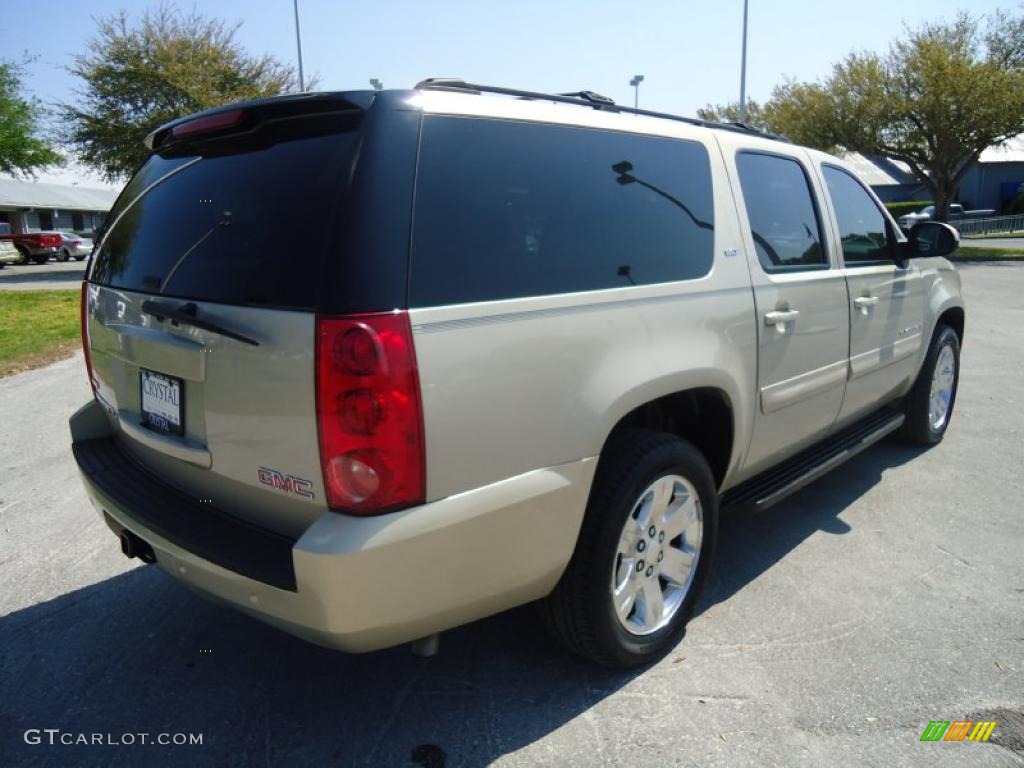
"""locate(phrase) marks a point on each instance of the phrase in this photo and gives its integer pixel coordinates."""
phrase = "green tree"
(22, 150)
(730, 113)
(936, 100)
(137, 76)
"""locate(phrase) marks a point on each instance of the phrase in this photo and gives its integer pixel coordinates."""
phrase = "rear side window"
(233, 223)
(508, 209)
(862, 229)
(783, 218)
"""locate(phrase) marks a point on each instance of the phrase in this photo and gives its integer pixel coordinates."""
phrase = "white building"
(29, 206)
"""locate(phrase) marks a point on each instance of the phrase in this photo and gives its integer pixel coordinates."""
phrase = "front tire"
(24, 254)
(929, 405)
(643, 554)
(65, 254)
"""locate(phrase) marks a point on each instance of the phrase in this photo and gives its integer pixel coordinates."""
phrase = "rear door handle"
(863, 302)
(780, 316)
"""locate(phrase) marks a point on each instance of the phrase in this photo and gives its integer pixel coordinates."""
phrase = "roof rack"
(585, 99)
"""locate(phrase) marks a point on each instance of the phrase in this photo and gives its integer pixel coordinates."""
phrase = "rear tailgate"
(202, 300)
(246, 414)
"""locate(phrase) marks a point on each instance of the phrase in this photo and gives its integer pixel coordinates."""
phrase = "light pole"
(298, 45)
(635, 82)
(743, 69)
(377, 84)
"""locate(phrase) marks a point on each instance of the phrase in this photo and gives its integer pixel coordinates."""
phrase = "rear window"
(242, 221)
(508, 209)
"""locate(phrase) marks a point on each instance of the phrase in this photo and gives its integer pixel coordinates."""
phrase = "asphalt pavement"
(992, 242)
(52, 274)
(835, 627)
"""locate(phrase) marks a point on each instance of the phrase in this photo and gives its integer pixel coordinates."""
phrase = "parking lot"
(835, 627)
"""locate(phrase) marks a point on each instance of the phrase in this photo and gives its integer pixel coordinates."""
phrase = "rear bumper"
(351, 583)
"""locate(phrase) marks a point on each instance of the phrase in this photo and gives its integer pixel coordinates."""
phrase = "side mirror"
(931, 238)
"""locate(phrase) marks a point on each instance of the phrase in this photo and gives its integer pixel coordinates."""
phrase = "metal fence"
(995, 225)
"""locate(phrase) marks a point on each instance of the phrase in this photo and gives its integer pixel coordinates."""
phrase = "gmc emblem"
(286, 483)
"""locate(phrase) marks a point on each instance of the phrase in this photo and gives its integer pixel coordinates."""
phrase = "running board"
(775, 484)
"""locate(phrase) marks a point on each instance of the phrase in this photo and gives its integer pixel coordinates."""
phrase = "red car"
(37, 246)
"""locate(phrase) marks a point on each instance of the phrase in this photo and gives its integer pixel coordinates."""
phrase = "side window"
(508, 209)
(783, 218)
(862, 229)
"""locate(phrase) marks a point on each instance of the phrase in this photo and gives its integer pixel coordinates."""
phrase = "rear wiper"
(186, 313)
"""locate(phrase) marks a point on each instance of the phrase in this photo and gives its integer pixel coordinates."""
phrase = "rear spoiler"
(243, 113)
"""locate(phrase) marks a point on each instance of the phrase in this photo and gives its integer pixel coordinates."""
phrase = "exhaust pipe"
(133, 546)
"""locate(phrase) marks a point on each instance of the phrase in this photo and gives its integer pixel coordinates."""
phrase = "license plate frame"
(161, 415)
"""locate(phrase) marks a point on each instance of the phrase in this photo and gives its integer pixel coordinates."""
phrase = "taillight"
(208, 124)
(369, 413)
(85, 335)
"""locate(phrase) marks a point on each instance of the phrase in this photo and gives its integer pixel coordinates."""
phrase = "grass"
(37, 328)
(972, 253)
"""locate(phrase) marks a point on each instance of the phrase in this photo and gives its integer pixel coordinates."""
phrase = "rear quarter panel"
(516, 385)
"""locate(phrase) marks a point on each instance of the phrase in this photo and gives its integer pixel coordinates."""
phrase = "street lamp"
(298, 45)
(635, 82)
(377, 84)
(743, 69)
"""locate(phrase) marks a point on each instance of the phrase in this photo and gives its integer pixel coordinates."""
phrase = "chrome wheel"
(657, 555)
(941, 395)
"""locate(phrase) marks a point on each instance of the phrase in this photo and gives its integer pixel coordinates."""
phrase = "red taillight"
(208, 124)
(85, 335)
(369, 413)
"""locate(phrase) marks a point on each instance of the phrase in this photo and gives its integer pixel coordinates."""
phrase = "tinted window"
(783, 219)
(231, 225)
(507, 209)
(862, 229)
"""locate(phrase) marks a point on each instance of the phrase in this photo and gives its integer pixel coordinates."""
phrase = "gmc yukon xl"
(550, 339)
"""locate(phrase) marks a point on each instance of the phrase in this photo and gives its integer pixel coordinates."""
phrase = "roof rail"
(585, 99)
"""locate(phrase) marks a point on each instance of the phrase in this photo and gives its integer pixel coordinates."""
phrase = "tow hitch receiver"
(131, 545)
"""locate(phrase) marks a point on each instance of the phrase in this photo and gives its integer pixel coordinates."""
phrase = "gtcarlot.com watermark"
(55, 737)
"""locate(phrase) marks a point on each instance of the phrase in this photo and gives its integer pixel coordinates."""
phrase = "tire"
(580, 612)
(24, 254)
(65, 255)
(79, 258)
(922, 425)
(40, 259)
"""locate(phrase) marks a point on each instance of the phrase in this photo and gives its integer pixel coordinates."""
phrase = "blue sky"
(689, 52)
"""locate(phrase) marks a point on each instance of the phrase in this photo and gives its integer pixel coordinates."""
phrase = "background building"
(995, 181)
(892, 180)
(30, 207)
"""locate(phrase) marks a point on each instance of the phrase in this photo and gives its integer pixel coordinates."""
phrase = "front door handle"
(863, 302)
(780, 316)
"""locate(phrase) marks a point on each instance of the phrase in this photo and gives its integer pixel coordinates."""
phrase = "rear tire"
(929, 405)
(639, 470)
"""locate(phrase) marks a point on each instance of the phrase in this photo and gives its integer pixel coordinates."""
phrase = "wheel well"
(702, 416)
(954, 318)
(22, 249)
